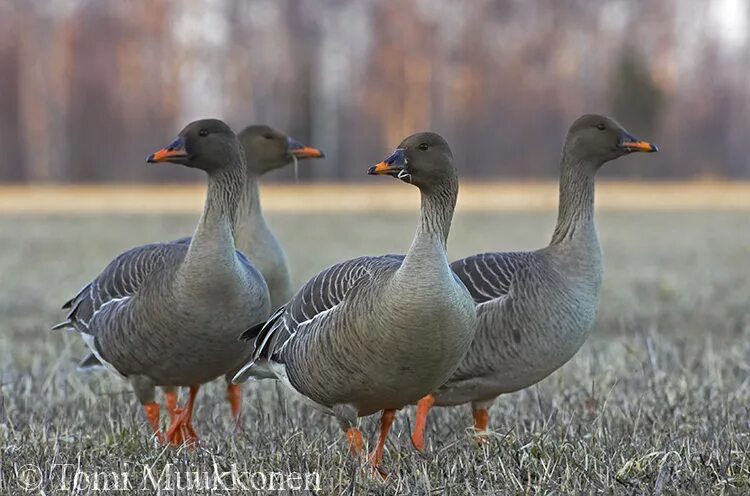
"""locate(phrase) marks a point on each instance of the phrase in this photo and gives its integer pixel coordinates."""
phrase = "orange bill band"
(176, 149)
(639, 146)
(307, 152)
(381, 168)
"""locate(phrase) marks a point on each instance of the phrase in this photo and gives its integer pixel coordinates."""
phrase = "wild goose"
(266, 149)
(377, 333)
(536, 309)
(168, 314)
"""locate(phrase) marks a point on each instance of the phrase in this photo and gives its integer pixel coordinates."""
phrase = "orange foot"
(354, 438)
(154, 419)
(386, 420)
(234, 396)
(420, 423)
(481, 421)
(181, 429)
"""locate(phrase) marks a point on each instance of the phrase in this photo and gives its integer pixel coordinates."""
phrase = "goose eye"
(601, 127)
(203, 132)
(268, 136)
(423, 147)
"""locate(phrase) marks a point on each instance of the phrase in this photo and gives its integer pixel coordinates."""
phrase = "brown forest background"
(89, 88)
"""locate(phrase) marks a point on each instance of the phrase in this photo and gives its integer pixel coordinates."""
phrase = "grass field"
(657, 402)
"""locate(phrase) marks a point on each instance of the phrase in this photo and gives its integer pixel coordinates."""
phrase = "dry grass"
(655, 403)
(376, 196)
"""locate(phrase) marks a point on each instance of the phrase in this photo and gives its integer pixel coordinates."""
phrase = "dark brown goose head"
(598, 139)
(423, 159)
(207, 144)
(268, 149)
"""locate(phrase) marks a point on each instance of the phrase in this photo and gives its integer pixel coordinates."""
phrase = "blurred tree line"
(88, 88)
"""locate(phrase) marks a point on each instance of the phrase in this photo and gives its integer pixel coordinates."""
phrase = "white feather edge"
(91, 344)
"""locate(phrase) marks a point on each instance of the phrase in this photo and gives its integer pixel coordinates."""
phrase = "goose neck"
(576, 203)
(215, 231)
(436, 213)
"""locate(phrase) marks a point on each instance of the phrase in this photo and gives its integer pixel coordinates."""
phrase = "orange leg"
(423, 407)
(481, 421)
(153, 416)
(354, 437)
(181, 430)
(171, 400)
(385, 425)
(234, 395)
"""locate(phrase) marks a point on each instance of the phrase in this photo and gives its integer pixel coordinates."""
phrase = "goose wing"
(489, 276)
(119, 281)
(316, 300)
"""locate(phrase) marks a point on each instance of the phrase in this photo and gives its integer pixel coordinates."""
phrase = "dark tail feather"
(70, 302)
(89, 363)
(62, 325)
(253, 332)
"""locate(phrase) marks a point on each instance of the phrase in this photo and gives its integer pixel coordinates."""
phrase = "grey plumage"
(168, 314)
(536, 309)
(266, 149)
(376, 333)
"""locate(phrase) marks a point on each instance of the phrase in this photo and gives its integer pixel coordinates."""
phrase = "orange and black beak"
(631, 144)
(395, 165)
(175, 152)
(298, 150)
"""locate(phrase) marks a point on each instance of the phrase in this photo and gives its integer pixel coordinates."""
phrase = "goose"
(536, 309)
(376, 333)
(168, 314)
(266, 149)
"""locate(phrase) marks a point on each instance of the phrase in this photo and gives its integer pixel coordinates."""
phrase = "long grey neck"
(576, 209)
(430, 241)
(251, 225)
(214, 236)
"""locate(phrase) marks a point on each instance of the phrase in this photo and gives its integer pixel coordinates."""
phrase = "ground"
(656, 402)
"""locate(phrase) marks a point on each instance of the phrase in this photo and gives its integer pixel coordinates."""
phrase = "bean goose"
(536, 309)
(266, 149)
(168, 314)
(377, 333)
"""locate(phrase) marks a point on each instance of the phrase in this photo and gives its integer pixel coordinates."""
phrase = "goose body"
(536, 309)
(377, 333)
(168, 314)
(266, 149)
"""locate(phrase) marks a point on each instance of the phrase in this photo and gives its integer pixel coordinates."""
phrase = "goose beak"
(174, 152)
(298, 150)
(631, 144)
(394, 165)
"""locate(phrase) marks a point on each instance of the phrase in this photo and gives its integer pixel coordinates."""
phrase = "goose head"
(423, 159)
(594, 138)
(207, 144)
(268, 149)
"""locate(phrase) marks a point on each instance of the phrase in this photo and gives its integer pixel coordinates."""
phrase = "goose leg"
(145, 391)
(170, 398)
(234, 396)
(347, 418)
(481, 419)
(181, 430)
(420, 423)
(154, 418)
(386, 420)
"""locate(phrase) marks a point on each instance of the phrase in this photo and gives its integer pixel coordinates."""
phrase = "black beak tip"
(322, 154)
(150, 159)
(654, 148)
(371, 170)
